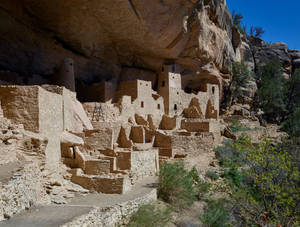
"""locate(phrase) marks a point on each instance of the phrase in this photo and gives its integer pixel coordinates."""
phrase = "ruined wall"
(51, 124)
(176, 99)
(20, 105)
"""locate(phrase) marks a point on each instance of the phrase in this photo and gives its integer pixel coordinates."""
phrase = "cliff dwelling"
(111, 144)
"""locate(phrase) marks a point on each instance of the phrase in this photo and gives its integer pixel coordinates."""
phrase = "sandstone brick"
(97, 167)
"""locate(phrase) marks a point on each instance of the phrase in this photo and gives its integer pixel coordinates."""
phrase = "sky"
(279, 19)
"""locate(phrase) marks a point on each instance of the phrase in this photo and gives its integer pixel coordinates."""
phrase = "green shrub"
(202, 188)
(212, 175)
(177, 186)
(216, 213)
(236, 126)
(273, 175)
(148, 216)
(230, 154)
(233, 176)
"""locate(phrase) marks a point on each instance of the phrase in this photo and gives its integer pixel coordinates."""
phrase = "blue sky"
(280, 19)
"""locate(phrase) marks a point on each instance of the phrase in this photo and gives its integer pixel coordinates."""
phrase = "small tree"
(292, 124)
(240, 77)
(237, 19)
(293, 92)
(256, 32)
(271, 90)
(177, 185)
(238, 22)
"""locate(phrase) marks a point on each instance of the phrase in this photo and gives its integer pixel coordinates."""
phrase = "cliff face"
(105, 36)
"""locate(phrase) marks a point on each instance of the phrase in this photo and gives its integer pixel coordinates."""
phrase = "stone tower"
(169, 87)
(66, 76)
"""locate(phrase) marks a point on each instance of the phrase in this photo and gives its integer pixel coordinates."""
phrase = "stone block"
(200, 125)
(166, 152)
(97, 167)
(162, 140)
(168, 123)
(70, 139)
(123, 160)
(99, 139)
(137, 134)
(140, 120)
(108, 185)
(77, 161)
(123, 140)
(192, 112)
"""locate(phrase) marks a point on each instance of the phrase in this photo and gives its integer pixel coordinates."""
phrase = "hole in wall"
(163, 83)
(175, 107)
(142, 104)
(213, 90)
(158, 106)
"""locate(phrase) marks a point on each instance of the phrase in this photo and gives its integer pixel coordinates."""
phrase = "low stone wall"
(111, 216)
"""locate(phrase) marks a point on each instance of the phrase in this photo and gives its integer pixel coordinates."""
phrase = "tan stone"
(200, 125)
(162, 140)
(166, 152)
(115, 185)
(99, 139)
(168, 123)
(211, 112)
(192, 112)
(137, 134)
(70, 139)
(123, 140)
(97, 167)
(140, 120)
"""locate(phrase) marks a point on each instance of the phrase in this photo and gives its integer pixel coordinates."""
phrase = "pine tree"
(271, 91)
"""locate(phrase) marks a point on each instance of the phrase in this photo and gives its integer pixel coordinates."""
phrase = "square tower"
(169, 87)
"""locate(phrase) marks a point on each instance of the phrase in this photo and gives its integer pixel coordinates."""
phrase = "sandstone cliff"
(104, 37)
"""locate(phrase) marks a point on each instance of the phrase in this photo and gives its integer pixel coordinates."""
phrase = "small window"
(158, 106)
(142, 104)
(163, 83)
(177, 93)
(175, 107)
(213, 90)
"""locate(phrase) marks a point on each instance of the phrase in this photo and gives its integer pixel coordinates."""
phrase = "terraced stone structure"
(110, 146)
